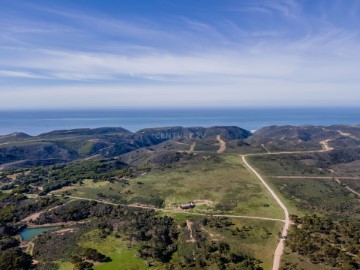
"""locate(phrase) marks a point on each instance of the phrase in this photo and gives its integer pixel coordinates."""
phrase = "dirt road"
(347, 135)
(222, 147)
(337, 180)
(280, 248)
(192, 147)
(267, 150)
(35, 216)
(172, 210)
(189, 225)
(353, 191)
(311, 177)
(325, 145)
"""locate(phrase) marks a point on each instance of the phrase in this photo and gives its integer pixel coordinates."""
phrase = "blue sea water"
(36, 122)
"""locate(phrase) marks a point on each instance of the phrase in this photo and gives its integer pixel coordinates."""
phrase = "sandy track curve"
(222, 147)
(35, 216)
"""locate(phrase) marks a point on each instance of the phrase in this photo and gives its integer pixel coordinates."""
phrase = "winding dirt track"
(170, 210)
(222, 145)
(35, 216)
(280, 248)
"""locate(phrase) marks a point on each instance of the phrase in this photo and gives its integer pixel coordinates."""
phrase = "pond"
(29, 233)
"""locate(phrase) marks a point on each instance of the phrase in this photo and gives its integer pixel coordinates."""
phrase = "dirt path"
(32, 217)
(245, 217)
(57, 224)
(35, 216)
(337, 180)
(100, 201)
(172, 210)
(189, 225)
(353, 191)
(64, 231)
(222, 147)
(93, 156)
(203, 202)
(280, 248)
(325, 145)
(192, 147)
(182, 143)
(267, 150)
(311, 177)
(299, 177)
(347, 135)
(324, 148)
(105, 148)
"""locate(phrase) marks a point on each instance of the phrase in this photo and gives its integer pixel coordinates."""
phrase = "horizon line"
(73, 109)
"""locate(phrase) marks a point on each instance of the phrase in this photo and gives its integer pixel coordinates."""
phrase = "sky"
(179, 53)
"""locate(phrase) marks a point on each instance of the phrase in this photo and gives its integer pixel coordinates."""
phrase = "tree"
(15, 259)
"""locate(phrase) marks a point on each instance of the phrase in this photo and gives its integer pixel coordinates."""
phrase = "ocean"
(36, 122)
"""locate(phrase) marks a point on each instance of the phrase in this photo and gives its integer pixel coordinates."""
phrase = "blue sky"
(179, 53)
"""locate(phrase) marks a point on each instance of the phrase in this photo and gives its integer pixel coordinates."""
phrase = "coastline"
(42, 121)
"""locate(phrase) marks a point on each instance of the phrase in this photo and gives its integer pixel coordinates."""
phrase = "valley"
(218, 198)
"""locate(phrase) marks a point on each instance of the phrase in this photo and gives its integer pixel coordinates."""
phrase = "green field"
(296, 261)
(306, 195)
(324, 197)
(271, 165)
(321, 196)
(122, 257)
(66, 266)
(254, 236)
(224, 187)
(258, 235)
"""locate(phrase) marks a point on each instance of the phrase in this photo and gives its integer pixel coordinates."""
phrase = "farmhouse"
(187, 206)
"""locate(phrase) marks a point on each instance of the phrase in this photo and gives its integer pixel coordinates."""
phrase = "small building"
(187, 206)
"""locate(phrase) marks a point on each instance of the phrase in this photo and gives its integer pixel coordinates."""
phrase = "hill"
(20, 150)
(168, 198)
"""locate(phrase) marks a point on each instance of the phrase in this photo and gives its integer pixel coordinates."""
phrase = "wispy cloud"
(292, 61)
(250, 9)
(144, 95)
(143, 29)
(272, 48)
(286, 8)
(19, 74)
(79, 65)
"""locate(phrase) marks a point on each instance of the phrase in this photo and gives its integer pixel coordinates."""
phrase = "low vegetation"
(323, 241)
(119, 199)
